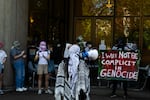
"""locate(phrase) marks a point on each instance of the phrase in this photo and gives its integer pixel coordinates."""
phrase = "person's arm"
(47, 57)
(20, 55)
(4, 60)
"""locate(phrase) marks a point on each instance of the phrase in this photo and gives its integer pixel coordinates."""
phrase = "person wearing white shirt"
(43, 55)
(3, 57)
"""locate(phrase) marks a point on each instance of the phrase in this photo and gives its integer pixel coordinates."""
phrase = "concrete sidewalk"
(97, 93)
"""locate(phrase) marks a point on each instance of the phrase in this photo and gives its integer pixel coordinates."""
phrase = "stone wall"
(13, 26)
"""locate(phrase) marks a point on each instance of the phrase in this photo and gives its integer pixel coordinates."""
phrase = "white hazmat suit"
(74, 51)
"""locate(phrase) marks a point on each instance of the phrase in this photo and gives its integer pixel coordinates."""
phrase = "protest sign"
(119, 65)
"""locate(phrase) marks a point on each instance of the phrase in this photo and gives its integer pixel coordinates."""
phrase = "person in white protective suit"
(74, 51)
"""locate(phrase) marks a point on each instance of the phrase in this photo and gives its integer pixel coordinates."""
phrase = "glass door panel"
(146, 41)
(104, 31)
(128, 27)
(146, 7)
(95, 30)
(94, 7)
(130, 6)
(83, 28)
(146, 34)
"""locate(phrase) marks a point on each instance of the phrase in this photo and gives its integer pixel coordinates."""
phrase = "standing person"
(32, 66)
(17, 58)
(51, 66)
(3, 57)
(74, 51)
(120, 45)
(42, 55)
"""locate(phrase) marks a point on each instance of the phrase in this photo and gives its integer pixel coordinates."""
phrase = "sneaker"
(114, 95)
(24, 89)
(39, 91)
(1, 92)
(48, 91)
(19, 90)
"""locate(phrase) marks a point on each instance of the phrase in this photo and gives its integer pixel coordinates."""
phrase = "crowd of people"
(42, 62)
(38, 61)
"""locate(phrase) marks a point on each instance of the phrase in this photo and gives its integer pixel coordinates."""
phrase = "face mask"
(42, 47)
(18, 47)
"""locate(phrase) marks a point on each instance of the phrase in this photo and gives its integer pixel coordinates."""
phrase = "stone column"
(13, 26)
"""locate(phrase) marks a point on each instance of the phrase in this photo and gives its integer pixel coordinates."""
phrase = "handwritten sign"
(118, 65)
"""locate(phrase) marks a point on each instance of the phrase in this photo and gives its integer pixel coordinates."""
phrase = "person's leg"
(125, 87)
(39, 73)
(39, 81)
(18, 76)
(114, 82)
(47, 80)
(23, 76)
(39, 84)
(114, 86)
(1, 79)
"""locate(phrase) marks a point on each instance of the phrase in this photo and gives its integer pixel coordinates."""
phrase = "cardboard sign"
(119, 65)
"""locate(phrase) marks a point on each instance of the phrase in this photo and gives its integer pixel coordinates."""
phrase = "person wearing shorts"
(42, 55)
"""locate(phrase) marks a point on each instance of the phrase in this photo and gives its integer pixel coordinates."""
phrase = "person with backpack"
(43, 55)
